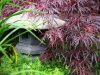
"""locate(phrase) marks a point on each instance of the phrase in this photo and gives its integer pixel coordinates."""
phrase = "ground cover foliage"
(77, 42)
(27, 65)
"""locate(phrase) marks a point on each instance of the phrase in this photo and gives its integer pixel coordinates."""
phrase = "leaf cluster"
(81, 34)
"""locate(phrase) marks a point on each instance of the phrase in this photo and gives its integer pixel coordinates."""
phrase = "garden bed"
(27, 65)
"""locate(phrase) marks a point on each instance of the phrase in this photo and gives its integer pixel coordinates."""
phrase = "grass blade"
(3, 51)
(2, 41)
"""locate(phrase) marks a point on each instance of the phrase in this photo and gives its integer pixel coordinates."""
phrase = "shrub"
(77, 41)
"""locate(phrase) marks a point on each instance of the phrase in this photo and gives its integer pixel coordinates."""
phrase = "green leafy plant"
(27, 65)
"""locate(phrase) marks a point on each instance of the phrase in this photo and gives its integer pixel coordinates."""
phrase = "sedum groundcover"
(27, 65)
